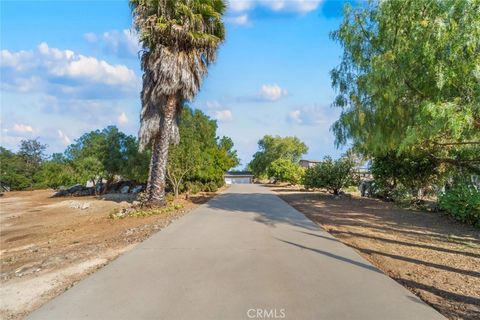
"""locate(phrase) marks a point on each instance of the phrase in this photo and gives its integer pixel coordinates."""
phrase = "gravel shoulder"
(432, 255)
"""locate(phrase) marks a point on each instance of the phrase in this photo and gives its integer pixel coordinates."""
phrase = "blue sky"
(68, 67)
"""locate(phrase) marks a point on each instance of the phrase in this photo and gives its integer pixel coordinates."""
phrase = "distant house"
(308, 163)
(238, 177)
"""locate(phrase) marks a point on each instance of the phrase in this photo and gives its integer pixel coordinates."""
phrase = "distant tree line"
(197, 163)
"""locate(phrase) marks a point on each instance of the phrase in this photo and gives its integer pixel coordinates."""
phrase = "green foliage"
(200, 158)
(13, 171)
(284, 170)
(409, 79)
(330, 174)
(56, 172)
(105, 154)
(399, 176)
(273, 148)
(187, 23)
(462, 202)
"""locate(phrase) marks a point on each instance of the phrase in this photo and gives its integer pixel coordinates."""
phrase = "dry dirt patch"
(435, 257)
(47, 244)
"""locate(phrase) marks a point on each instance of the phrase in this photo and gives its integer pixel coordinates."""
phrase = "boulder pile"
(79, 190)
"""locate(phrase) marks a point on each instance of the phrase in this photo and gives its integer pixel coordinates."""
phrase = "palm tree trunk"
(158, 163)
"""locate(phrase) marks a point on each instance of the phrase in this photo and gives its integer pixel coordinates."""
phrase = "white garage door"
(235, 180)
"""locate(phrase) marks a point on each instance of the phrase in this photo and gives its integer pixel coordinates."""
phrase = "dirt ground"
(47, 244)
(432, 255)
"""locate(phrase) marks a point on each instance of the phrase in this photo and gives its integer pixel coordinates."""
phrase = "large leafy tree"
(200, 157)
(180, 39)
(272, 148)
(409, 79)
(105, 154)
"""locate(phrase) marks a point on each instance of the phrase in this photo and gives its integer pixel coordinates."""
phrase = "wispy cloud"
(313, 116)
(298, 6)
(63, 137)
(122, 118)
(240, 20)
(121, 43)
(223, 115)
(22, 128)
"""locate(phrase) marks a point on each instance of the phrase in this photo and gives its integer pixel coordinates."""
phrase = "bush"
(398, 177)
(330, 174)
(285, 170)
(210, 186)
(463, 203)
(193, 187)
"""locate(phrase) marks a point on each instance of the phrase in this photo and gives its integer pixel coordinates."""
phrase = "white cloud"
(272, 92)
(241, 20)
(212, 105)
(55, 71)
(298, 6)
(22, 128)
(90, 37)
(313, 116)
(224, 115)
(241, 5)
(121, 43)
(294, 116)
(64, 138)
(122, 118)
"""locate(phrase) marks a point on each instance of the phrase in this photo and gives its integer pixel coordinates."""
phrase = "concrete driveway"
(244, 255)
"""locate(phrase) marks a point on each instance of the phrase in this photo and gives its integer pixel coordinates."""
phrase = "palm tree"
(180, 39)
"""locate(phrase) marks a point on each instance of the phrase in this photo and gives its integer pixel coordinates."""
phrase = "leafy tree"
(105, 154)
(409, 79)
(56, 172)
(135, 164)
(392, 171)
(273, 148)
(180, 39)
(14, 172)
(33, 153)
(332, 175)
(285, 170)
(200, 157)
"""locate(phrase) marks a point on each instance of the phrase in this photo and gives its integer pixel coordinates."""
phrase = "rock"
(76, 190)
(124, 189)
(79, 205)
(137, 189)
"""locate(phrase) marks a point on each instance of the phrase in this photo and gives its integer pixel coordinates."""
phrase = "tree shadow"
(410, 244)
(118, 197)
(354, 212)
(264, 206)
(334, 256)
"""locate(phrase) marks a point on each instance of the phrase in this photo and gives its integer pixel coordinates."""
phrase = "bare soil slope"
(47, 244)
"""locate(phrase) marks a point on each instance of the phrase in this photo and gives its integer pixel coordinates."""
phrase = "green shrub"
(285, 170)
(193, 187)
(210, 186)
(332, 175)
(463, 203)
